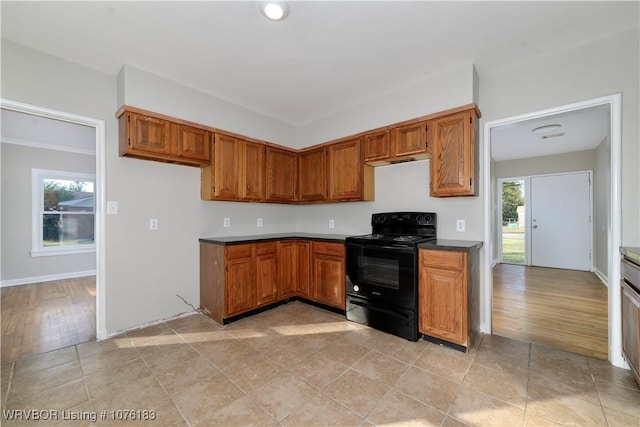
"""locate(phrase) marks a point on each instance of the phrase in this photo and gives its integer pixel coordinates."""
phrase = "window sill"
(58, 251)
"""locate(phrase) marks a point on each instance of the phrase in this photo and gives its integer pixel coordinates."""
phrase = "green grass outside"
(512, 247)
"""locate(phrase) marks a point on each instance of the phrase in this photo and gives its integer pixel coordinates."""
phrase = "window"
(63, 212)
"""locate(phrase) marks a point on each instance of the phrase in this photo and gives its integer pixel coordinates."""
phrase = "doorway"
(99, 127)
(611, 272)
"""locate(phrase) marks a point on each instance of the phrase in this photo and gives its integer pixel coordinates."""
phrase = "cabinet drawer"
(265, 248)
(442, 259)
(238, 251)
(336, 249)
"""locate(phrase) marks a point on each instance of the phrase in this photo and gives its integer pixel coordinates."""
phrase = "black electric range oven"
(382, 272)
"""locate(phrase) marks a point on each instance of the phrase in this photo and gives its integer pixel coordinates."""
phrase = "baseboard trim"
(603, 278)
(47, 278)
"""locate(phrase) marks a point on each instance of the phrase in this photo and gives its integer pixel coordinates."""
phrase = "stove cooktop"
(390, 239)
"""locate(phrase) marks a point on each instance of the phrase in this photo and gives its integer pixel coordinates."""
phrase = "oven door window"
(376, 270)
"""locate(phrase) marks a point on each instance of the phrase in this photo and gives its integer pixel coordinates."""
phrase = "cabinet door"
(252, 171)
(442, 302)
(240, 294)
(453, 155)
(281, 175)
(303, 277)
(149, 134)
(226, 168)
(312, 174)
(631, 328)
(193, 143)
(328, 273)
(287, 269)
(266, 272)
(409, 139)
(376, 146)
(345, 170)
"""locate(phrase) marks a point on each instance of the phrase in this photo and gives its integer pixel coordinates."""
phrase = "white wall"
(567, 162)
(596, 69)
(18, 267)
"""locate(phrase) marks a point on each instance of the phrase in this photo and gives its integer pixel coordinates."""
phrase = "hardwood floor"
(560, 308)
(41, 317)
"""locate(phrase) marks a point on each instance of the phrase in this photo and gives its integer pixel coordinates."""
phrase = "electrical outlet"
(460, 225)
(227, 222)
(153, 223)
(259, 222)
(332, 224)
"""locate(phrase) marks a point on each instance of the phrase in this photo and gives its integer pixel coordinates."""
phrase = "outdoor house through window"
(63, 212)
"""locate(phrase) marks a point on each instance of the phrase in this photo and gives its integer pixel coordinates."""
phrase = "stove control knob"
(356, 288)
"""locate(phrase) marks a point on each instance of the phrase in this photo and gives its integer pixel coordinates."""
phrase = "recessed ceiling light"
(546, 129)
(274, 10)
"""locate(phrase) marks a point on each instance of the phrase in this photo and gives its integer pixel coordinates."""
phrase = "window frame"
(37, 209)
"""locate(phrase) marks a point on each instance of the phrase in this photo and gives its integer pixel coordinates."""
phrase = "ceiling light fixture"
(546, 129)
(274, 10)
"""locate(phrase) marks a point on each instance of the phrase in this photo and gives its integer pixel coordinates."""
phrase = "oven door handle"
(381, 309)
(403, 249)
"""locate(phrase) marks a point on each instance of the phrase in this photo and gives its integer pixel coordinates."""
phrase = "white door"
(561, 221)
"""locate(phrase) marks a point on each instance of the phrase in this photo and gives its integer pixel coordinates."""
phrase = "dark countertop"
(631, 252)
(452, 245)
(234, 240)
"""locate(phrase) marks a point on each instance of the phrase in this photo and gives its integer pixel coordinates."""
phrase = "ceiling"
(325, 57)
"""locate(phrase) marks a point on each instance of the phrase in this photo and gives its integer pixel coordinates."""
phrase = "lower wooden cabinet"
(328, 273)
(447, 305)
(235, 279)
(265, 261)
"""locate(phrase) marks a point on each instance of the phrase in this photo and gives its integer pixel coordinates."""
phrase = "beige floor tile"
(505, 386)
(131, 371)
(621, 399)
(186, 374)
(241, 412)
(65, 396)
(396, 408)
(452, 422)
(150, 331)
(205, 397)
(446, 362)
(534, 420)
(620, 419)
(552, 387)
(318, 370)
(168, 337)
(602, 370)
(251, 373)
(288, 352)
(282, 395)
(381, 368)
(344, 352)
(428, 388)
(45, 379)
(93, 347)
(557, 361)
(140, 394)
(108, 361)
(5, 377)
(547, 399)
(322, 411)
(224, 354)
(316, 339)
(401, 349)
(45, 360)
(479, 409)
(503, 354)
(165, 357)
(189, 320)
(356, 392)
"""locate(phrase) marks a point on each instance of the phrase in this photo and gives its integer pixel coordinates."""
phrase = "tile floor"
(298, 365)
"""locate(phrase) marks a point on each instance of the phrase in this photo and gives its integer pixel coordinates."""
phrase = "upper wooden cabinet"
(236, 172)
(454, 155)
(312, 174)
(281, 175)
(396, 144)
(346, 171)
(409, 139)
(156, 138)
